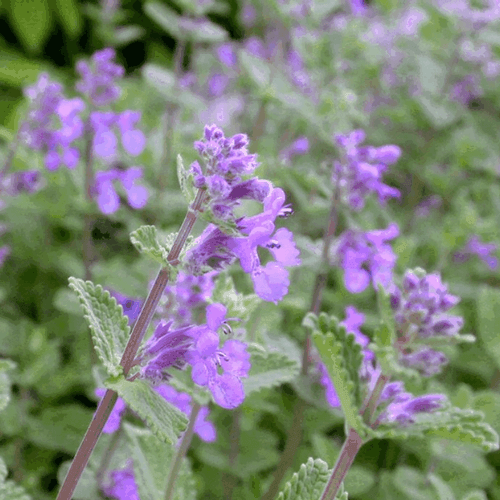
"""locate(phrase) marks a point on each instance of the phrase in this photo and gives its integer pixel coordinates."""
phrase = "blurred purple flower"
(299, 147)
(115, 417)
(227, 55)
(27, 181)
(365, 256)
(107, 197)
(217, 84)
(123, 485)
(467, 89)
(98, 79)
(474, 246)
(131, 307)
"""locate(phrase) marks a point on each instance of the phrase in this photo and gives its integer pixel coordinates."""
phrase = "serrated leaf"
(146, 240)
(9, 490)
(31, 20)
(151, 461)
(464, 425)
(308, 483)
(165, 420)
(488, 305)
(238, 305)
(269, 369)
(109, 327)
(341, 355)
(185, 181)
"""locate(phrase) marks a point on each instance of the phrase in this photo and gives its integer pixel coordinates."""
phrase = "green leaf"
(9, 490)
(165, 420)
(16, 70)
(439, 112)
(69, 14)
(5, 383)
(238, 305)
(151, 461)
(386, 334)
(475, 495)
(185, 181)
(431, 74)
(308, 483)
(160, 78)
(444, 492)
(258, 70)
(59, 428)
(463, 425)
(109, 327)
(269, 369)
(184, 28)
(341, 355)
(147, 240)
(488, 305)
(31, 20)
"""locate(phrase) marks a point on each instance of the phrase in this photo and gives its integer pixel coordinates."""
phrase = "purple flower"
(467, 89)
(405, 406)
(227, 55)
(99, 78)
(360, 171)
(474, 246)
(4, 253)
(217, 84)
(298, 147)
(330, 392)
(365, 256)
(206, 357)
(131, 307)
(115, 417)
(165, 349)
(123, 485)
(27, 181)
(204, 428)
(420, 312)
(107, 197)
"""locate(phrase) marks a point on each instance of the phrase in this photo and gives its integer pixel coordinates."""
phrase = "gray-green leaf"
(109, 327)
(165, 420)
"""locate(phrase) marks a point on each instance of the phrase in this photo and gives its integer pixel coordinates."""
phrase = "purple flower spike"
(206, 357)
(99, 78)
(360, 172)
(133, 139)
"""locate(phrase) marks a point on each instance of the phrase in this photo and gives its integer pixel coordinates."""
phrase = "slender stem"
(295, 434)
(107, 403)
(11, 153)
(229, 480)
(108, 455)
(370, 405)
(88, 220)
(352, 445)
(181, 452)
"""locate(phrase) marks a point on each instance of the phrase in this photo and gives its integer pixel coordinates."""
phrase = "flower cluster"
(218, 368)
(106, 195)
(366, 256)
(395, 406)
(25, 181)
(99, 78)
(421, 312)
(360, 171)
(53, 123)
(226, 161)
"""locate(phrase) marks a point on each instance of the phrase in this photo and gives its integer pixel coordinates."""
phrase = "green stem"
(350, 448)
(108, 401)
(181, 452)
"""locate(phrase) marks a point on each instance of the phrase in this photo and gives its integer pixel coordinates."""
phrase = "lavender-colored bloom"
(248, 15)
(27, 181)
(330, 392)
(123, 485)
(360, 171)
(467, 89)
(4, 253)
(474, 246)
(206, 357)
(131, 307)
(99, 78)
(217, 84)
(358, 7)
(165, 349)
(299, 147)
(204, 428)
(115, 417)
(357, 251)
(405, 406)
(107, 197)
(426, 361)
(256, 47)
(227, 55)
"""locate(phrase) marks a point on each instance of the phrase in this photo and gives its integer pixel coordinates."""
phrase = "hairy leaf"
(185, 180)
(165, 420)
(146, 240)
(308, 483)
(9, 490)
(341, 355)
(152, 460)
(488, 304)
(109, 327)
(5, 383)
(269, 369)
